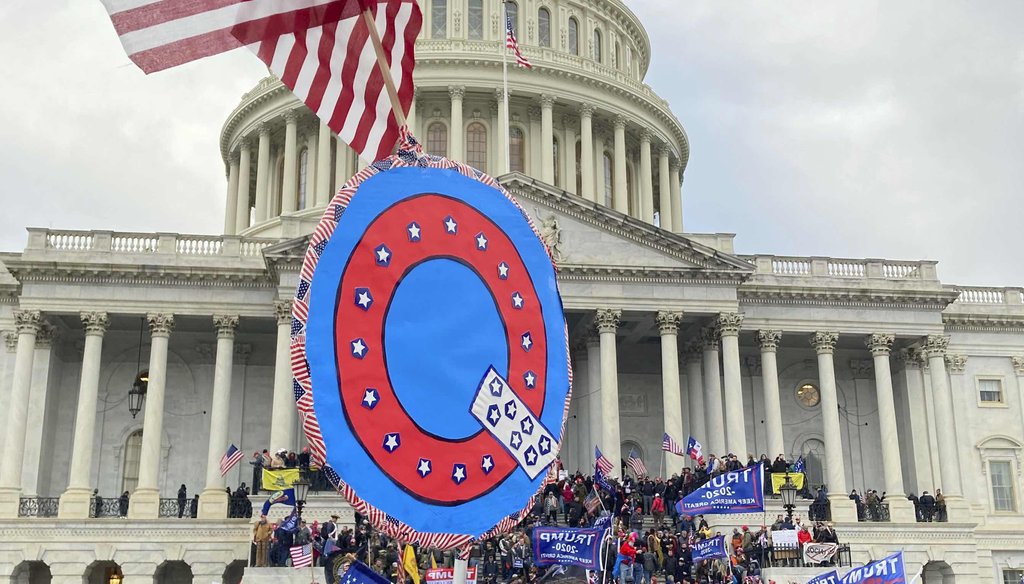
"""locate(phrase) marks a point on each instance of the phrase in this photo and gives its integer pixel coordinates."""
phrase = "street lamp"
(301, 487)
(788, 492)
(137, 394)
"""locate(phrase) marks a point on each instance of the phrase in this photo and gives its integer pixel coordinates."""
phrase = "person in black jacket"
(193, 507)
(122, 505)
(182, 501)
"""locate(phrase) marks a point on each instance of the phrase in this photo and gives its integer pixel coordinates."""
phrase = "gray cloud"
(856, 129)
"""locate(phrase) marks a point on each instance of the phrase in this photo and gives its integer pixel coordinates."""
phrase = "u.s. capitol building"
(883, 376)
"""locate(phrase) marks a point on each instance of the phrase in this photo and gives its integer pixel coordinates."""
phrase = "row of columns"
(144, 503)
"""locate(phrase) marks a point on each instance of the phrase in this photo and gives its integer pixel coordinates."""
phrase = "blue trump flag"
(285, 497)
(360, 573)
(732, 492)
(888, 570)
(826, 578)
(290, 523)
(567, 547)
(708, 549)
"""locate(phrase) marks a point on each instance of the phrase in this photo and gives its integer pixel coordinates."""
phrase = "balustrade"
(38, 506)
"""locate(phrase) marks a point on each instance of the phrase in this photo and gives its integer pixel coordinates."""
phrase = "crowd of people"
(282, 458)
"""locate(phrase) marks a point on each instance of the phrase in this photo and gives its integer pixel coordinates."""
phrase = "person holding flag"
(694, 449)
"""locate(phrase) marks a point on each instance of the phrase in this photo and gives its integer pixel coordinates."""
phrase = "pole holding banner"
(461, 567)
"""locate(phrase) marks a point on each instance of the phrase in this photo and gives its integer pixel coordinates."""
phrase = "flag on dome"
(636, 464)
(603, 464)
(512, 43)
(669, 444)
(323, 50)
(232, 457)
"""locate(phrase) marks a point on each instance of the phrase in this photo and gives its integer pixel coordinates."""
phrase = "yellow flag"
(433, 562)
(409, 562)
(279, 479)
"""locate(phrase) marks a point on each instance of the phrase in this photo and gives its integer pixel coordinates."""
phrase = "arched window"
(544, 27)
(516, 149)
(303, 177)
(597, 45)
(475, 19)
(618, 55)
(556, 166)
(437, 139)
(607, 158)
(132, 457)
(438, 19)
(512, 10)
(574, 36)
(813, 451)
(476, 146)
(629, 60)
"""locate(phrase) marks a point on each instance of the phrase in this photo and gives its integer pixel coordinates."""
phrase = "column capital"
(753, 363)
(28, 321)
(46, 336)
(95, 323)
(668, 321)
(160, 324)
(592, 339)
(880, 344)
(225, 325)
(499, 94)
(956, 363)
(674, 165)
(861, 368)
(533, 113)
(710, 337)
(1017, 361)
(768, 340)
(234, 157)
(243, 144)
(619, 122)
(693, 352)
(283, 311)
(936, 345)
(645, 136)
(263, 129)
(607, 319)
(291, 116)
(824, 342)
(586, 110)
(547, 101)
(457, 91)
(729, 323)
(11, 341)
(664, 151)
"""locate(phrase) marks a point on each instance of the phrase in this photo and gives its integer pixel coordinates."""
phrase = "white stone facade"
(671, 331)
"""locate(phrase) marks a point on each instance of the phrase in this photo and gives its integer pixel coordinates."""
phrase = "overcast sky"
(843, 128)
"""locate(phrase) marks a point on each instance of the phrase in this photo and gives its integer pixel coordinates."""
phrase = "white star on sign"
(369, 398)
(391, 442)
(487, 464)
(527, 425)
(459, 473)
(545, 445)
(495, 416)
(531, 456)
(503, 270)
(496, 388)
(450, 225)
(527, 341)
(383, 255)
(481, 241)
(358, 348)
(364, 299)
(414, 231)
(530, 378)
(517, 300)
(516, 440)
(510, 410)
(424, 467)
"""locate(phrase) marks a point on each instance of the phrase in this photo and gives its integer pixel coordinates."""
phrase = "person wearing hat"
(746, 540)
(261, 533)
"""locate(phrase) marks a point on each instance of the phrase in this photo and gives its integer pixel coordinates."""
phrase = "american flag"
(668, 444)
(603, 464)
(592, 502)
(512, 43)
(636, 464)
(232, 457)
(302, 556)
(321, 49)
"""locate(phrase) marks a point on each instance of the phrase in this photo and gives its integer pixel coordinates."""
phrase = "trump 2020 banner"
(826, 578)
(567, 547)
(888, 570)
(708, 549)
(732, 492)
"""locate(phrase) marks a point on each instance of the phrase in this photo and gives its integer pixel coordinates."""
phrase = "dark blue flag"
(826, 578)
(602, 481)
(732, 492)
(708, 549)
(567, 547)
(360, 573)
(290, 523)
(888, 570)
(285, 497)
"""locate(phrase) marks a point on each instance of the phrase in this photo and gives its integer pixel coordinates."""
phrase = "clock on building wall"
(808, 395)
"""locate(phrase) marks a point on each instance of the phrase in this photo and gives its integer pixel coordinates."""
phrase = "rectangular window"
(1012, 576)
(439, 19)
(475, 20)
(990, 391)
(1000, 472)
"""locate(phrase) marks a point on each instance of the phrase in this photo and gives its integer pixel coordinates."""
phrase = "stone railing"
(38, 506)
(993, 296)
(146, 243)
(844, 268)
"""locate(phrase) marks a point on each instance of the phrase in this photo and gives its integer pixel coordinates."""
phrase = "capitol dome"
(581, 120)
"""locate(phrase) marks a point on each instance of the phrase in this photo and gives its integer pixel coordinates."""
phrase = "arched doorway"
(103, 573)
(173, 572)
(632, 446)
(233, 573)
(31, 573)
(132, 458)
(813, 451)
(937, 572)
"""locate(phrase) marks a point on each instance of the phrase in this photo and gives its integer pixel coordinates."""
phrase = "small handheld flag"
(603, 464)
(668, 444)
(800, 465)
(636, 464)
(302, 556)
(695, 450)
(232, 457)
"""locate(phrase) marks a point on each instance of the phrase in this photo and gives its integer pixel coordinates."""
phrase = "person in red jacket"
(658, 510)
(803, 536)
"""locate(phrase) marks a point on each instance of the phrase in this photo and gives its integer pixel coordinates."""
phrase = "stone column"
(594, 386)
(36, 420)
(713, 416)
(949, 457)
(824, 343)
(457, 132)
(282, 420)
(7, 380)
(677, 199)
(263, 175)
(729, 324)
(599, 186)
(768, 340)
(213, 502)
(569, 154)
(145, 501)
(231, 204)
(646, 178)
(900, 509)
(547, 140)
(665, 191)
(668, 325)
(341, 165)
(290, 181)
(28, 323)
(533, 163)
(587, 153)
(323, 166)
(620, 194)
(581, 398)
(607, 325)
(76, 501)
(242, 209)
(695, 391)
(312, 133)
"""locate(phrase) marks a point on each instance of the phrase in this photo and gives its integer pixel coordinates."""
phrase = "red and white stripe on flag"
(302, 556)
(512, 43)
(230, 458)
(320, 49)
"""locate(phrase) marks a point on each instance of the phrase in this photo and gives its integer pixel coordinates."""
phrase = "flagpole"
(385, 70)
(504, 94)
